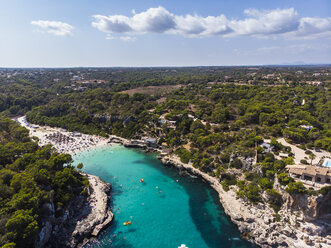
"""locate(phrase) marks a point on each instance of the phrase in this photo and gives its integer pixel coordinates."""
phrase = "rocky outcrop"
(324, 206)
(82, 219)
(259, 222)
(247, 163)
(97, 214)
(44, 234)
(311, 207)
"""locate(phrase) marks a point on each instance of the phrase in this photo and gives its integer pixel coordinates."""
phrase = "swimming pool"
(327, 162)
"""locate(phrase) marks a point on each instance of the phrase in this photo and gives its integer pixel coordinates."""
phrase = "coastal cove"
(167, 209)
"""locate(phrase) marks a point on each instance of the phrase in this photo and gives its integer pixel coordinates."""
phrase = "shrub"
(284, 179)
(250, 176)
(220, 169)
(225, 186)
(229, 179)
(236, 163)
(279, 165)
(265, 183)
(241, 184)
(303, 147)
(276, 217)
(303, 161)
(275, 199)
(324, 190)
(225, 157)
(253, 193)
(296, 188)
(276, 145)
(185, 155)
(288, 160)
(9, 245)
(250, 192)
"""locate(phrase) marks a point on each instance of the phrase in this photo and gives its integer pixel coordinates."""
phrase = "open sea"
(167, 209)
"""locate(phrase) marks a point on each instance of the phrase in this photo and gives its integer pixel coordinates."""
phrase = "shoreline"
(94, 213)
(255, 222)
(100, 216)
(62, 140)
(81, 221)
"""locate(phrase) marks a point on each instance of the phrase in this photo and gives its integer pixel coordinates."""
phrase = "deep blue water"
(166, 210)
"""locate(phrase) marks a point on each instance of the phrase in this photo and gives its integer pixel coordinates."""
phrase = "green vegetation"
(185, 155)
(228, 180)
(296, 188)
(31, 176)
(284, 179)
(217, 119)
(249, 191)
(275, 199)
(325, 190)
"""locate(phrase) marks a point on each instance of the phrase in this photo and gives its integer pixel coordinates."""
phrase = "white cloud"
(128, 38)
(123, 38)
(112, 24)
(313, 28)
(202, 26)
(155, 20)
(273, 22)
(266, 23)
(53, 27)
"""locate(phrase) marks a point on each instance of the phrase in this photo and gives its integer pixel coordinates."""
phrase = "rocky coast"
(82, 219)
(303, 222)
(300, 224)
(296, 228)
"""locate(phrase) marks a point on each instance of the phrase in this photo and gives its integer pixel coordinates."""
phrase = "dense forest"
(30, 178)
(23, 89)
(232, 111)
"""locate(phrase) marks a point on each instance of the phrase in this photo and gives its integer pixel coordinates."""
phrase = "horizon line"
(170, 66)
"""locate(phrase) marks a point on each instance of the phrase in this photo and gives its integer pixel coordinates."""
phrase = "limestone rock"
(44, 235)
(257, 221)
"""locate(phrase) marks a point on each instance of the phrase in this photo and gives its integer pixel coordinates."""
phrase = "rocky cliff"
(82, 219)
(311, 207)
(259, 223)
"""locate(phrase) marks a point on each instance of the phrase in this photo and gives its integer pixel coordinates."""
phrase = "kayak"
(127, 223)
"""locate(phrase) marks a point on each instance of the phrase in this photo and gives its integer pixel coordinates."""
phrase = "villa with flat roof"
(314, 174)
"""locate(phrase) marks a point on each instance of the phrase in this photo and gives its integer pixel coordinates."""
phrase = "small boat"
(141, 180)
(127, 223)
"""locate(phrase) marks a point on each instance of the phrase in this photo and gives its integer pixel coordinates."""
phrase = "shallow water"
(167, 209)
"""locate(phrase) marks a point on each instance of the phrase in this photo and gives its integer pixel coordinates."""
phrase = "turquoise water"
(167, 209)
(327, 163)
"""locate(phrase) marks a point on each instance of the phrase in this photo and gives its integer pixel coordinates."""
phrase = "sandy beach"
(95, 215)
(62, 140)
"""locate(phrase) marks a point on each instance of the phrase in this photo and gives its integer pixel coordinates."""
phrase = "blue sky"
(72, 33)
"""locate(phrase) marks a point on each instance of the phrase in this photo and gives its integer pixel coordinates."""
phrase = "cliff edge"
(82, 219)
(296, 228)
